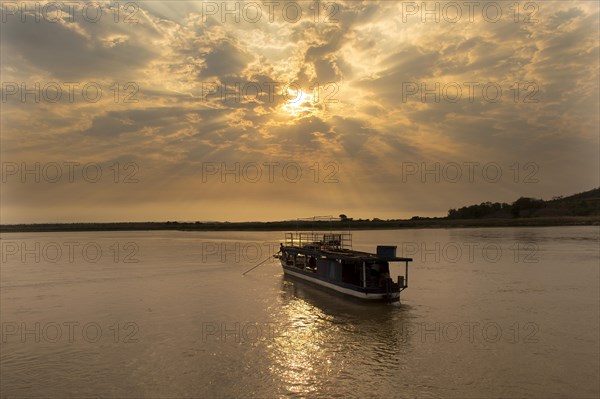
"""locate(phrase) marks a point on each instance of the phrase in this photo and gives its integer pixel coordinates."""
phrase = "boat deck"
(344, 254)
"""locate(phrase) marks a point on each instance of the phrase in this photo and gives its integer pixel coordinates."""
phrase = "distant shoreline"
(293, 225)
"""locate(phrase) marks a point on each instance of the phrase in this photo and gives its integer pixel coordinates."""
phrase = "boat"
(328, 260)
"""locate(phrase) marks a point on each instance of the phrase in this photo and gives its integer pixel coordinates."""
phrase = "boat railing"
(319, 240)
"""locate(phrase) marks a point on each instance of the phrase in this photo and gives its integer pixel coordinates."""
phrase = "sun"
(299, 102)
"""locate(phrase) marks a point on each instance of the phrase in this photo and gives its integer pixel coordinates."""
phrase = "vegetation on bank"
(582, 204)
(578, 209)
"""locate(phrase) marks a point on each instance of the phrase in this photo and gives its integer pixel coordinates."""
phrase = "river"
(489, 312)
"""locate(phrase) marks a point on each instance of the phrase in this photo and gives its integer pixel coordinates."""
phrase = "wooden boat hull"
(353, 291)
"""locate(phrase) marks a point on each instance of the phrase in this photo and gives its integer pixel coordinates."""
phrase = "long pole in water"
(249, 270)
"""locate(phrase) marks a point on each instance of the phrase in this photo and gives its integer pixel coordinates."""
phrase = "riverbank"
(302, 225)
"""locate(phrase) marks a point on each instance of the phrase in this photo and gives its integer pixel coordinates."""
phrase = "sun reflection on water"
(322, 335)
(300, 347)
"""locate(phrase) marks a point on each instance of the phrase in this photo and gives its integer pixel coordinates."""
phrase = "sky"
(245, 111)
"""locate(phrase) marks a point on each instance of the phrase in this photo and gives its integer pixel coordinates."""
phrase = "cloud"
(225, 59)
(75, 48)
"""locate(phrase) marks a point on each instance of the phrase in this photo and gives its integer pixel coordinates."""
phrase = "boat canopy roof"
(344, 254)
